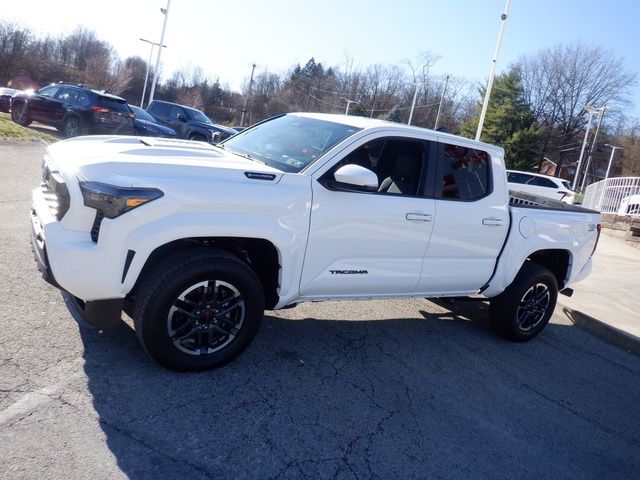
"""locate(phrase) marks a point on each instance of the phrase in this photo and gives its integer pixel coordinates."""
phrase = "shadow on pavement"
(432, 396)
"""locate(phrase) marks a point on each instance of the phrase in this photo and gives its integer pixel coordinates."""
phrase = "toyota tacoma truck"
(195, 241)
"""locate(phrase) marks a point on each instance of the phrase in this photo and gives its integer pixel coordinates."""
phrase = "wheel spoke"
(235, 303)
(185, 331)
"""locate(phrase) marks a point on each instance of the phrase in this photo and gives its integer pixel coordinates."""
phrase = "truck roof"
(367, 123)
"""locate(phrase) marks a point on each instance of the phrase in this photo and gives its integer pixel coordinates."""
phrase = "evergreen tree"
(509, 122)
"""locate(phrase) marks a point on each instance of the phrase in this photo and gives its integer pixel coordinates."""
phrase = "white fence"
(607, 195)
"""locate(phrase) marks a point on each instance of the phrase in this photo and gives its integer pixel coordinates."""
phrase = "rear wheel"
(72, 127)
(522, 311)
(198, 310)
(19, 114)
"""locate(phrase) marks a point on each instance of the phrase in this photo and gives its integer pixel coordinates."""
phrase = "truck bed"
(525, 200)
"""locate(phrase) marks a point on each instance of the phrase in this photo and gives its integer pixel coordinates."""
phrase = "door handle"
(421, 217)
(496, 222)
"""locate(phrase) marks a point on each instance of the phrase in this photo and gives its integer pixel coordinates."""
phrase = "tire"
(72, 126)
(198, 138)
(522, 311)
(20, 115)
(198, 309)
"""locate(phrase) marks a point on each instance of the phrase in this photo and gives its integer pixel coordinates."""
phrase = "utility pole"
(246, 98)
(601, 111)
(487, 94)
(165, 11)
(446, 82)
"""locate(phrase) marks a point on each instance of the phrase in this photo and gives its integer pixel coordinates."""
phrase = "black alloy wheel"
(522, 311)
(205, 317)
(197, 309)
(533, 307)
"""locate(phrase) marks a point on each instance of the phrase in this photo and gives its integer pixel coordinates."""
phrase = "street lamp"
(606, 176)
(487, 94)
(349, 102)
(413, 103)
(591, 111)
(446, 82)
(600, 111)
(246, 98)
(146, 75)
(165, 12)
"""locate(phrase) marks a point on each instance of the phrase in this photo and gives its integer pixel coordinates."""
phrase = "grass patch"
(10, 130)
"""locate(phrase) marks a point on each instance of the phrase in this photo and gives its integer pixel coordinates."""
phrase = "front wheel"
(522, 311)
(198, 310)
(19, 115)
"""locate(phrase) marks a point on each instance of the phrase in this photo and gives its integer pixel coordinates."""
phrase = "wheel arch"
(556, 260)
(261, 255)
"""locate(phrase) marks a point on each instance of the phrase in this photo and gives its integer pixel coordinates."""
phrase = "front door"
(371, 243)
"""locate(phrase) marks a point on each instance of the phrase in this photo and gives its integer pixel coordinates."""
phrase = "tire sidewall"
(154, 320)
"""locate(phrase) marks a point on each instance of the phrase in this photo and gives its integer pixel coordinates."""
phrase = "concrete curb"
(606, 332)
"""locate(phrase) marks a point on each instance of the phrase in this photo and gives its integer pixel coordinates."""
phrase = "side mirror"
(357, 177)
(215, 137)
(182, 118)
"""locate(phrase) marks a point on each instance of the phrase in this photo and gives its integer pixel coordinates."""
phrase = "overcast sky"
(224, 37)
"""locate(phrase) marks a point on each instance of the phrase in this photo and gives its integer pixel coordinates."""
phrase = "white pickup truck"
(195, 241)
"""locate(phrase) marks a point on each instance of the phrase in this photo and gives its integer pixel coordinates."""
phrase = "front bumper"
(101, 314)
(40, 250)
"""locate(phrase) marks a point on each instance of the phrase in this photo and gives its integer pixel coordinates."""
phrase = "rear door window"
(462, 173)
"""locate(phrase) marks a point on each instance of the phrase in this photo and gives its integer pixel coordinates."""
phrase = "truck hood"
(140, 161)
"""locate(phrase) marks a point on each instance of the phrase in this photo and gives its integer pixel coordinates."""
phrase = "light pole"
(600, 112)
(446, 82)
(246, 98)
(413, 103)
(487, 94)
(165, 11)
(591, 111)
(349, 102)
(606, 176)
(146, 75)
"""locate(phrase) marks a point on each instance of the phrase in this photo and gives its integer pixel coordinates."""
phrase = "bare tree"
(560, 81)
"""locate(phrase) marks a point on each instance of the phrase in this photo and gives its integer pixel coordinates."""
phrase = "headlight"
(113, 201)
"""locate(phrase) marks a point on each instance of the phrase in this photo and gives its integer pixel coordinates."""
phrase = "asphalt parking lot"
(384, 389)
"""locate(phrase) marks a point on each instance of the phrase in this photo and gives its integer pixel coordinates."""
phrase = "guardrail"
(612, 196)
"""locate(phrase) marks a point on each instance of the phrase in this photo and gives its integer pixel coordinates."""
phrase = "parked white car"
(540, 185)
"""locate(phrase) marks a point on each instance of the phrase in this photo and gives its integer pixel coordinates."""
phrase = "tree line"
(536, 110)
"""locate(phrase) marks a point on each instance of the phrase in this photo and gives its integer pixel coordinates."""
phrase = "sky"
(225, 37)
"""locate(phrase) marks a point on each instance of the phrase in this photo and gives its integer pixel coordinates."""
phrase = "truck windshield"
(289, 143)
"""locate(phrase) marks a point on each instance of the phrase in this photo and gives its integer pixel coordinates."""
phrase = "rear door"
(471, 221)
(371, 243)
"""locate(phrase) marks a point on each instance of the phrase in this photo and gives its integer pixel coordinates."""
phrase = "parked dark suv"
(74, 110)
(190, 123)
